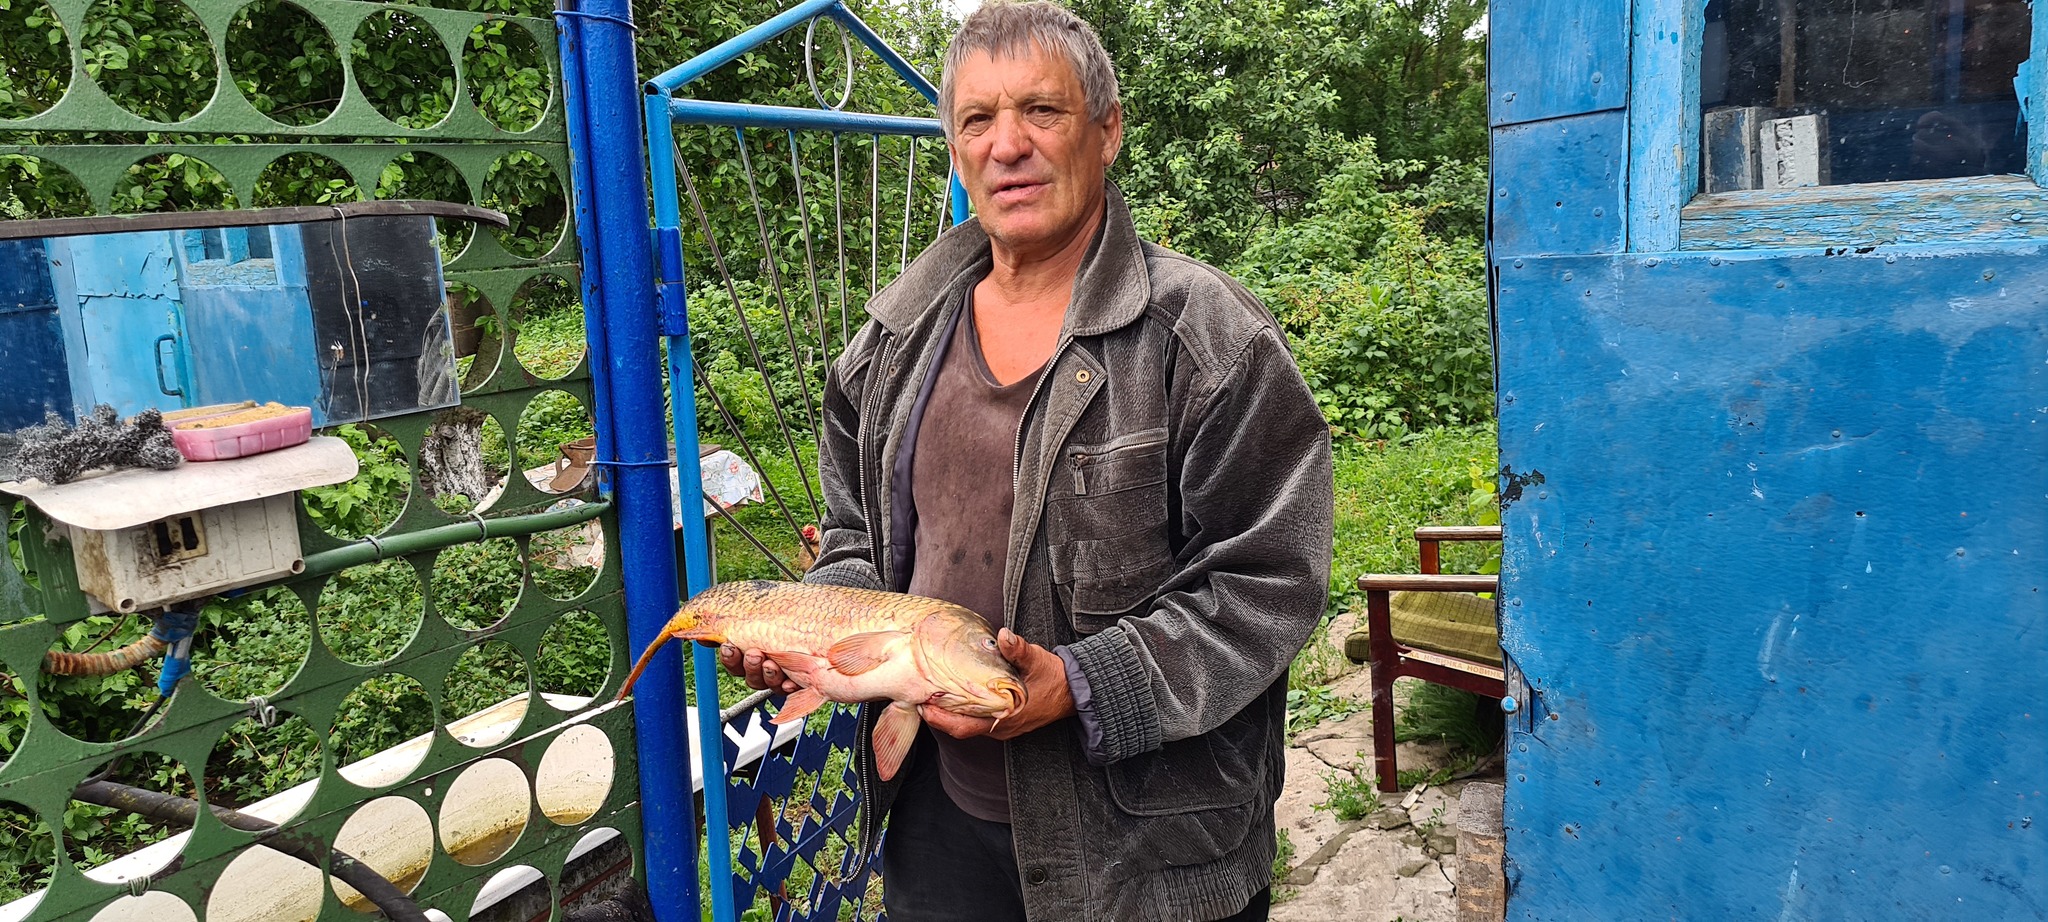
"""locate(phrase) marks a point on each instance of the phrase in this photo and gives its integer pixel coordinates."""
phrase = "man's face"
(1031, 159)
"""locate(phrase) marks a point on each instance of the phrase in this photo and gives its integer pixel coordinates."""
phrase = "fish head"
(958, 655)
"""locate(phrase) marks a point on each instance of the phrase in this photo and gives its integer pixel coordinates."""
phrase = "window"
(229, 257)
(1827, 92)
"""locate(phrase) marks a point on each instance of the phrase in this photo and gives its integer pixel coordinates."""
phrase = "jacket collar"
(1111, 289)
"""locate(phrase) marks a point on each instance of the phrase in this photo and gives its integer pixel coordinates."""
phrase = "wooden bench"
(1428, 626)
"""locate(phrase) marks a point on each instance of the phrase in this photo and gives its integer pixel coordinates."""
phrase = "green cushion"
(1456, 624)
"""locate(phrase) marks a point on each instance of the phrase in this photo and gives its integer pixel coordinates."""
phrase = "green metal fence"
(450, 661)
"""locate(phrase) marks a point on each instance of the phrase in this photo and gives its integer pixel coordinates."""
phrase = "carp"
(856, 645)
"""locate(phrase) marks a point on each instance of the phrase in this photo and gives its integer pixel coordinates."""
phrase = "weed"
(1351, 795)
(1307, 707)
(1434, 823)
(1438, 712)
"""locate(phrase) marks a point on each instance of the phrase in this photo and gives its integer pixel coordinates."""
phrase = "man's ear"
(1112, 134)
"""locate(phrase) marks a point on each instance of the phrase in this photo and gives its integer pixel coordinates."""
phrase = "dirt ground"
(1394, 864)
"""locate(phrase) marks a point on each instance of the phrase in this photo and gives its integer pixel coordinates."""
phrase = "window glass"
(1825, 92)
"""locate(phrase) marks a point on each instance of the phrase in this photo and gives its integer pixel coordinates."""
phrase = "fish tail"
(685, 625)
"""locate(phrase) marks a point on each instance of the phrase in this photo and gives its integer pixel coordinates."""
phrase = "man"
(1102, 446)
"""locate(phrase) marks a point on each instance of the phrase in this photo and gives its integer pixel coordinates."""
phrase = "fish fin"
(798, 706)
(860, 653)
(894, 732)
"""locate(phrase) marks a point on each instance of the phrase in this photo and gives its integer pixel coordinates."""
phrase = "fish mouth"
(1010, 691)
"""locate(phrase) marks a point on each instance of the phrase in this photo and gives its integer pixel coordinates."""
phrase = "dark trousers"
(941, 865)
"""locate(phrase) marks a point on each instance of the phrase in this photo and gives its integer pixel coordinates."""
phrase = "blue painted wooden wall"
(1776, 532)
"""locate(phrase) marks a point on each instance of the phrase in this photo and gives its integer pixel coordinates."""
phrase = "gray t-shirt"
(960, 483)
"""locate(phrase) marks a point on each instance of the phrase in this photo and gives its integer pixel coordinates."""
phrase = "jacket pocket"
(1198, 798)
(1106, 531)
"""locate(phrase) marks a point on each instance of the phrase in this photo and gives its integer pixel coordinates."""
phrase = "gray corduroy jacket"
(1179, 544)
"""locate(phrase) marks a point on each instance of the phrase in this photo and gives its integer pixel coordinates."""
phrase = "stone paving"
(1395, 864)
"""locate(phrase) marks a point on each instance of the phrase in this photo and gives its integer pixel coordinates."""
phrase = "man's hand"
(755, 667)
(1046, 696)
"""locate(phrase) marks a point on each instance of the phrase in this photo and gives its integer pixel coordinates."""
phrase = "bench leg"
(1386, 656)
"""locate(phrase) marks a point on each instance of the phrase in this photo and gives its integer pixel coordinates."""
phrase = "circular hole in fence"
(251, 764)
(508, 77)
(99, 678)
(172, 182)
(154, 906)
(152, 59)
(516, 879)
(547, 317)
(369, 502)
(551, 420)
(369, 613)
(31, 187)
(564, 562)
(264, 885)
(476, 584)
(33, 851)
(253, 644)
(476, 333)
(574, 662)
(575, 775)
(430, 177)
(403, 68)
(381, 731)
(453, 471)
(484, 812)
(485, 695)
(394, 837)
(524, 186)
(112, 846)
(303, 178)
(38, 57)
(284, 62)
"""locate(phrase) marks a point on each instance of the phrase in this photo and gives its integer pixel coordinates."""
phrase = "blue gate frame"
(624, 290)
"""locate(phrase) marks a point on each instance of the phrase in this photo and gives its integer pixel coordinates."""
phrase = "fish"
(852, 646)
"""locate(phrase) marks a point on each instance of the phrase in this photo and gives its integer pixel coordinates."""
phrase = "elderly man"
(1103, 448)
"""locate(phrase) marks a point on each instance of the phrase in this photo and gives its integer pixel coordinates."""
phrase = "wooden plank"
(1558, 186)
(1427, 582)
(1664, 119)
(1566, 58)
(1991, 209)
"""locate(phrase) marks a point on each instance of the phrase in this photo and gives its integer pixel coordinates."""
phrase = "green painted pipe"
(371, 550)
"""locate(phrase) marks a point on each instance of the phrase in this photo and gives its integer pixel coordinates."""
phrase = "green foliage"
(1283, 856)
(1439, 712)
(1350, 795)
(1384, 491)
(1309, 706)
(372, 500)
(1389, 322)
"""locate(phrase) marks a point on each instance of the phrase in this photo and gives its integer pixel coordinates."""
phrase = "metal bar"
(447, 536)
(746, 447)
(753, 347)
(839, 234)
(909, 198)
(753, 115)
(803, 210)
(727, 51)
(646, 527)
(874, 215)
(882, 50)
(960, 206)
(675, 323)
(577, 122)
(788, 319)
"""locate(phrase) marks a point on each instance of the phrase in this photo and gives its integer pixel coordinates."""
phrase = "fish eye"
(988, 643)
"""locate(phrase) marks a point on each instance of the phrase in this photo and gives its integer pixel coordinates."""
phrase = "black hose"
(182, 811)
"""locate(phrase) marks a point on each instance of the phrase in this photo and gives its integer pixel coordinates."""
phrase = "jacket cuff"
(1084, 707)
(1120, 692)
(852, 574)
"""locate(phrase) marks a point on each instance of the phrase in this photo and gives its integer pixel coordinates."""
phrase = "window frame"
(1668, 212)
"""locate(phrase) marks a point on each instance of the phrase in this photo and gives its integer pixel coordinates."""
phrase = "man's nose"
(1009, 141)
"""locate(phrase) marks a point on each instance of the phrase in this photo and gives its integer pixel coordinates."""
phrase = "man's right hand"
(756, 668)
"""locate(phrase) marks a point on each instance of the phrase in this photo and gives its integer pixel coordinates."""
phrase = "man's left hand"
(1046, 696)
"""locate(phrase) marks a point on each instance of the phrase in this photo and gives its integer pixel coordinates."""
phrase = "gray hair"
(1008, 28)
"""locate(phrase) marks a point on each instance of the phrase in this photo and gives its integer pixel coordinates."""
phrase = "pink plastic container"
(245, 439)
